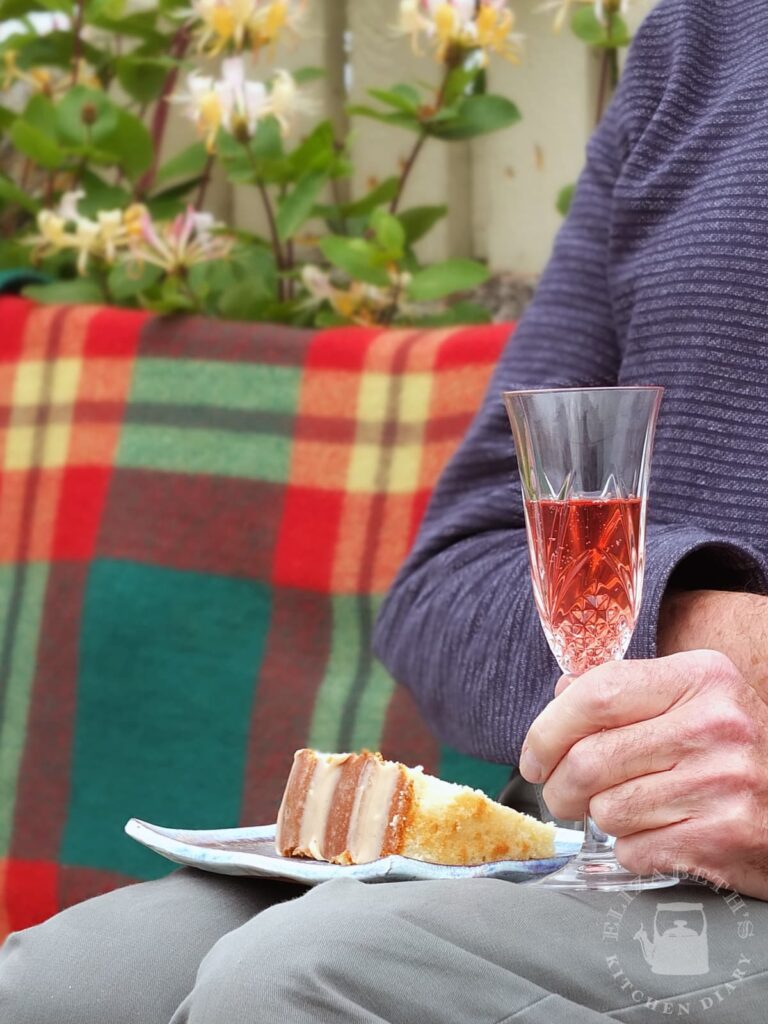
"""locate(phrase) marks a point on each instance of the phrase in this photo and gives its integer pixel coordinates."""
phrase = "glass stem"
(595, 840)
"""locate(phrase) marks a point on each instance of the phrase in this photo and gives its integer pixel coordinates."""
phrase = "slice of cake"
(355, 808)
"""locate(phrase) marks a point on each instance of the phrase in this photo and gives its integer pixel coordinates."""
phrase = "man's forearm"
(734, 623)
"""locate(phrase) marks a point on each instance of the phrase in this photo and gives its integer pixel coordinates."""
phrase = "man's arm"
(459, 627)
(735, 624)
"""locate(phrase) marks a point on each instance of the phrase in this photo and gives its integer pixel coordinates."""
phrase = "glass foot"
(601, 872)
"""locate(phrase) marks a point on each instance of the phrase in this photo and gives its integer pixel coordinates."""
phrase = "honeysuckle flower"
(243, 102)
(176, 245)
(562, 9)
(286, 100)
(237, 104)
(359, 302)
(239, 24)
(66, 228)
(460, 25)
(204, 106)
(112, 233)
(52, 228)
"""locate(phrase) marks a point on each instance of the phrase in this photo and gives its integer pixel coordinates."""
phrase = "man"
(658, 277)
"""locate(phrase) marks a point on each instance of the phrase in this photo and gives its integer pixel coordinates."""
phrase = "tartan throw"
(198, 521)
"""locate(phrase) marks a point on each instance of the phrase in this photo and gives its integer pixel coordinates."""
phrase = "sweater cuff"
(697, 559)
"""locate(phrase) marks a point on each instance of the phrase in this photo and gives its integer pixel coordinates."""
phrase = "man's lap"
(479, 951)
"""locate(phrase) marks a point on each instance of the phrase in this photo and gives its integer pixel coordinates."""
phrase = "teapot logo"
(679, 946)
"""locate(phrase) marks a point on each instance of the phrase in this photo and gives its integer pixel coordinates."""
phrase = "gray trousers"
(200, 949)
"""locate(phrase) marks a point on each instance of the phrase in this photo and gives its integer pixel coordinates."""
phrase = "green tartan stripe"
(191, 450)
(222, 385)
(15, 710)
(353, 697)
(165, 695)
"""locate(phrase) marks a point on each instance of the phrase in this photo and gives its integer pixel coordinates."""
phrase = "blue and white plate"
(251, 851)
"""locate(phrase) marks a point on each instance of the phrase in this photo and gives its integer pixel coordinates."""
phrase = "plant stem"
(602, 87)
(204, 183)
(160, 116)
(274, 236)
(409, 165)
(77, 43)
(419, 145)
(609, 69)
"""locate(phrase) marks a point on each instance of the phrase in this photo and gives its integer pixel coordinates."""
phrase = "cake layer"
(344, 808)
(355, 808)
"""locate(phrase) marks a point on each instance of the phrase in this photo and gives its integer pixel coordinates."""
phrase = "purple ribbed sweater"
(659, 276)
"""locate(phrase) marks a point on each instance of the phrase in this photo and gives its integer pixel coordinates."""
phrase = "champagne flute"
(584, 456)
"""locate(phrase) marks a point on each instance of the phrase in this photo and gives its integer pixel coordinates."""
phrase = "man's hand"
(727, 621)
(670, 756)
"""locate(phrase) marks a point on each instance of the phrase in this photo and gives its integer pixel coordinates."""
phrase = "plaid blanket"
(198, 521)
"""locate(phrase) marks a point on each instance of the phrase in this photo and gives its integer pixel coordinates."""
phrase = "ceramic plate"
(251, 851)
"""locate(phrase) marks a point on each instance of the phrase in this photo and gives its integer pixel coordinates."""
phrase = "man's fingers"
(641, 805)
(611, 696)
(607, 759)
(563, 683)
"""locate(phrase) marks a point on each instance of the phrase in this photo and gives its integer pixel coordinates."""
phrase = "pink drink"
(586, 574)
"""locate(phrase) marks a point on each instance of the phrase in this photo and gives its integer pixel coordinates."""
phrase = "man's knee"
(303, 954)
(32, 989)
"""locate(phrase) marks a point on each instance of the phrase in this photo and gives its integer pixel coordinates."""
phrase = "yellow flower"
(224, 22)
(237, 24)
(460, 25)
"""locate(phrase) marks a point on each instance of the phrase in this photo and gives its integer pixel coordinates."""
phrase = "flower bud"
(88, 113)
(240, 129)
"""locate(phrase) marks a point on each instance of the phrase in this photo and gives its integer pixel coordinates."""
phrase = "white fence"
(501, 190)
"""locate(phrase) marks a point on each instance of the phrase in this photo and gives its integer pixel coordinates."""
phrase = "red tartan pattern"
(197, 522)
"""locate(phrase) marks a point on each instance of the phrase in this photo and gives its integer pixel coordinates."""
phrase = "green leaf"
(35, 144)
(378, 196)
(400, 119)
(189, 163)
(129, 279)
(318, 152)
(356, 257)
(131, 144)
(19, 8)
(460, 83)
(586, 25)
(11, 193)
(458, 313)
(40, 113)
(296, 207)
(565, 198)
(86, 117)
(477, 115)
(303, 76)
(443, 279)
(420, 220)
(267, 142)
(7, 117)
(82, 290)
(171, 201)
(401, 97)
(143, 77)
(389, 232)
(100, 195)
(14, 255)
